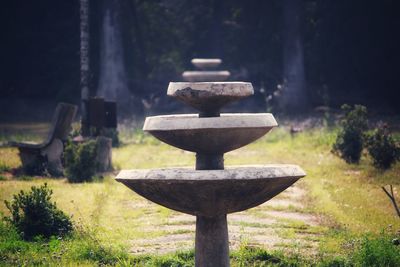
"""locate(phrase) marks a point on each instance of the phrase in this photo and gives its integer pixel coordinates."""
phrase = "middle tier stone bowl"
(212, 135)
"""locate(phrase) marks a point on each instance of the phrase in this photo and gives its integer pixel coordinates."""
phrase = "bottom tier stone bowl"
(211, 192)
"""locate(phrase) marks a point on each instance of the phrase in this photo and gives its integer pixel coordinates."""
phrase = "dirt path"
(282, 223)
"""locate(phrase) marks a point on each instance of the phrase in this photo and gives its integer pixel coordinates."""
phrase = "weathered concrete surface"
(209, 162)
(211, 192)
(211, 245)
(209, 96)
(213, 135)
(206, 63)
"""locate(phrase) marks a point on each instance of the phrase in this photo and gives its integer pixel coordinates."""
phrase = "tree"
(84, 60)
(293, 96)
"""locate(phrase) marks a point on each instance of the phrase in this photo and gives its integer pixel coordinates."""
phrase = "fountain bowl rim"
(231, 173)
(208, 60)
(206, 72)
(193, 122)
(232, 88)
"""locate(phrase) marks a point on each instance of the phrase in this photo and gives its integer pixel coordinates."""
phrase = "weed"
(377, 251)
(80, 161)
(254, 256)
(34, 214)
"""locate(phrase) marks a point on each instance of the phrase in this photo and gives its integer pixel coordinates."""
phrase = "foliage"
(349, 142)
(80, 248)
(178, 259)
(383, 148)
(157, 52)
(80, 161)
(87, 247)
(33, 214)
(377, 251)
(253, 256)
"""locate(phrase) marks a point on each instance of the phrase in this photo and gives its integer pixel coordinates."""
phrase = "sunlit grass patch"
(9, 159)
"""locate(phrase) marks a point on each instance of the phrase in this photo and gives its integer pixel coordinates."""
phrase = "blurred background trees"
(350, 49)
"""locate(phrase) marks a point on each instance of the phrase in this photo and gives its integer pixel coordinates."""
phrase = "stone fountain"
(206, 71)
(210, 191)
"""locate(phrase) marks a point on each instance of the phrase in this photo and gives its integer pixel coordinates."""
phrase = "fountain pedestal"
(210, 192)
(212, 245)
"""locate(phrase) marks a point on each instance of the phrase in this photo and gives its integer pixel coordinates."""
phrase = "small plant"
(350, 140)
(33, 214)
(383, 148)
(80, 161)
(377, 251)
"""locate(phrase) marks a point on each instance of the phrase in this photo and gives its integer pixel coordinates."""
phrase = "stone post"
(211, 245)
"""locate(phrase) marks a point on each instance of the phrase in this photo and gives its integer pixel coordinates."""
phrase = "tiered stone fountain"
(210, 192)
(206, 71)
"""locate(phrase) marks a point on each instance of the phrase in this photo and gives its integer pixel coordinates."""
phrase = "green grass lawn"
(348, 199)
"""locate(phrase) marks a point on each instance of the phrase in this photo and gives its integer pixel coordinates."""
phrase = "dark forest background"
(351, 48)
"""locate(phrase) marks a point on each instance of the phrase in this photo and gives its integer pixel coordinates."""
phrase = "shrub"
(382, 148)
(377, 251)
(33, 214)
(80, 161)
(349, 142)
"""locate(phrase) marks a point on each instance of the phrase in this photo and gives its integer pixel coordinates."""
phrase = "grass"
(83, 249)
(354, 208)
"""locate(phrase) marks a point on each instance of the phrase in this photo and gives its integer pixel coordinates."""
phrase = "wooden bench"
(37, 157)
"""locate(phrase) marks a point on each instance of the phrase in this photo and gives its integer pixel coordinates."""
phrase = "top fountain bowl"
(211, 192)
(206, 63)
(209, 97)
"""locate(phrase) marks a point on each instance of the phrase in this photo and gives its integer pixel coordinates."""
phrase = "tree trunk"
(84, 61)
(217, 33)
(294, 97)
(139, 38)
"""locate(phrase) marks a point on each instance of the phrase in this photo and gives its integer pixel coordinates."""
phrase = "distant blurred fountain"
(206, 72)
(113, 83)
